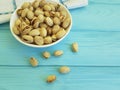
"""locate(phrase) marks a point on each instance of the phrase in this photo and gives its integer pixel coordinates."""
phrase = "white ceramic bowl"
(14, 17)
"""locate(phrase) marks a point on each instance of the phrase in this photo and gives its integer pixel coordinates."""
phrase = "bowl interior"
(14, 18)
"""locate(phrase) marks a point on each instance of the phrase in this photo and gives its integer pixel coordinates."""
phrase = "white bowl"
(14, 17)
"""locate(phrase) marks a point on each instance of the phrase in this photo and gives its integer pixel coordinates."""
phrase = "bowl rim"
(12, 20)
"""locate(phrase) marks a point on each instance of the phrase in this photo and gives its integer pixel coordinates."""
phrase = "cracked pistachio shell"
(24, 12)
(27, 38)
(16, 31)
(49, 31)
(26, 30)
(54, 38)
(19, 12)
(36, 23)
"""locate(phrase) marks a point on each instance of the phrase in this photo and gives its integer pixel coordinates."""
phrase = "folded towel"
(6, 9)
(70, 4)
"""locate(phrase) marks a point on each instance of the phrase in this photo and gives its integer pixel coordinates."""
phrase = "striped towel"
(7, 7)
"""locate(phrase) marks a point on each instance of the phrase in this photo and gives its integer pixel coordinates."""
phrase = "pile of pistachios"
(41, 22)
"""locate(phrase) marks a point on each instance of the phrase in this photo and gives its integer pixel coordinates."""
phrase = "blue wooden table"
(96, 66)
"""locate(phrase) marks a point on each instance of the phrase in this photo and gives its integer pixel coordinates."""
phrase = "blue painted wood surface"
(95, 67)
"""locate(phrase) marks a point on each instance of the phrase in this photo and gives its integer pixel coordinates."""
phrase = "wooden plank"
(99, 15)
(95, 48)
(84, 78)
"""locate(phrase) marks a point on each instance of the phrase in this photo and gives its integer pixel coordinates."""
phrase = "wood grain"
(84, 78)
(95, 48)
(96, 66)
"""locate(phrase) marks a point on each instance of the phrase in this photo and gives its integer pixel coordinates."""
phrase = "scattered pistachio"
(46, 54)
(75, 47)
(58, 53)
(64, 69)
(33, 62)
(51, 78)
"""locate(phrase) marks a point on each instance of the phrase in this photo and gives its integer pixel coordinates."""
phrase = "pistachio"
(38, 12)
(55, 29)
(30, 14)
(64, 69)
(15, 30)
(58, 53)
(24, 12)
(34, 32)
(49, 31)
(57, 14)
(17, 22)
(22, 26)
(43, 25)
(19, 12)
(41, 18)
(60, 33)
(47, 14)
(49, 21)
(33, 62)
(26, 30)
(66, 23)
(26, 21)
(75, 47)
(27, 38)
(53, 38)
(35, 4)
(31, 8)
(63, 13)
(42, 3)
(46, 54)
(52, 7)
(36, 23)
(43, 32)
(47, 40)
(38, 40)
(25, 5)
(47, 8)
(56, 20)
(51, 78)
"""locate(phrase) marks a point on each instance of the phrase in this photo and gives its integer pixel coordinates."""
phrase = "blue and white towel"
(7, 7)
